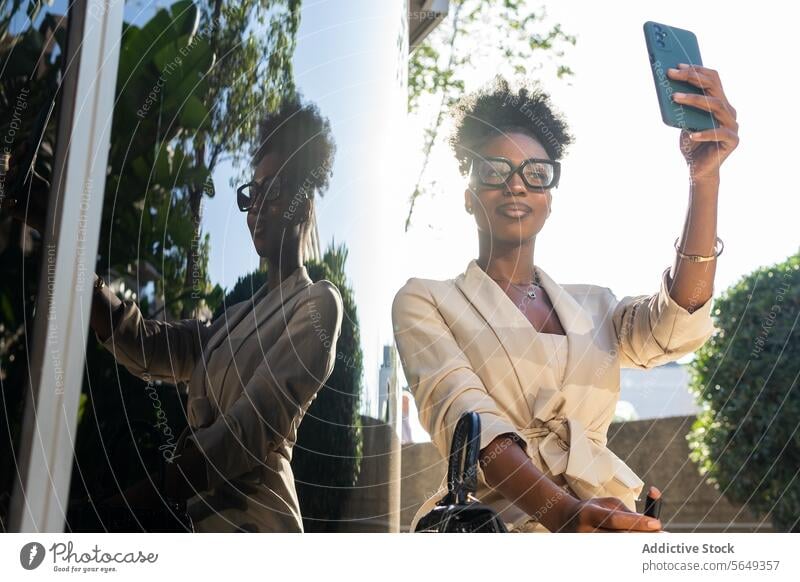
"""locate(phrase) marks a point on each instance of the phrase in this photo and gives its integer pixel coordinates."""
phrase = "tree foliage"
(746, 378)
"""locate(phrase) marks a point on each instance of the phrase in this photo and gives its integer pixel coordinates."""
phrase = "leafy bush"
(746, 378)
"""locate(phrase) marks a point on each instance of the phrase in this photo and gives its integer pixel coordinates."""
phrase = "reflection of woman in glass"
(538, 360)
(253, 373)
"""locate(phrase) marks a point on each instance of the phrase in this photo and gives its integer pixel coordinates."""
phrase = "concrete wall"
(690, 504)
(374, 503)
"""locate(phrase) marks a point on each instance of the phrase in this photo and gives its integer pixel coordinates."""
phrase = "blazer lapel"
(233, 318)
(533, 378)
(268, 305)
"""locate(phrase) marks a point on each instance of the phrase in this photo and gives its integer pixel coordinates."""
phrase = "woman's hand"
(603, 514)
(705, 151)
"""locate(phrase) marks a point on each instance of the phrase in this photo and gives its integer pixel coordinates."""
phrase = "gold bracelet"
(700, 258)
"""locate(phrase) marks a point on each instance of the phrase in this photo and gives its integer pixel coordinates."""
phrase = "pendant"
(532, 293)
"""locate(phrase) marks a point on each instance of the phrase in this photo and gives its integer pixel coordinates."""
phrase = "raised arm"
(655, 329)
(149, 348)
(704, 151)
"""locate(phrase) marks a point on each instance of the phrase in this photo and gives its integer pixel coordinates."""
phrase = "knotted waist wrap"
(569, 449)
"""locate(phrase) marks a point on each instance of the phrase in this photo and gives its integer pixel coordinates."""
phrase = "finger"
(613, 503)
(707, 103)
(624, 520)
(703, 77)
(697, 76)
(719, 134)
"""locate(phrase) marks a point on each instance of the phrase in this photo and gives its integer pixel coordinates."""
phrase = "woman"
(253, 373)
(538, 360)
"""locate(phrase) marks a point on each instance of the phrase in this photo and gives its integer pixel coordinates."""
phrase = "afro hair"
(298, 132)
(496, 108)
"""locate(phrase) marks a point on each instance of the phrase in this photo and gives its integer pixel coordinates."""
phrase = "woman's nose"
(253, 212)
(515, 185)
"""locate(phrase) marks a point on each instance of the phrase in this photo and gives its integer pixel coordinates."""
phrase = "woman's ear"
(468, 196)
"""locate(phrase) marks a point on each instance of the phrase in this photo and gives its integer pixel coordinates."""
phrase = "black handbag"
(169, 517)
(459, 511)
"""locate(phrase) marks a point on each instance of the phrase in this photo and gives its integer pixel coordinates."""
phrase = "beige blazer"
(251, 375)
(465, 346)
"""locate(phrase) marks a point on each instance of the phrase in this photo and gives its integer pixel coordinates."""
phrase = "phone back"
(667, 46)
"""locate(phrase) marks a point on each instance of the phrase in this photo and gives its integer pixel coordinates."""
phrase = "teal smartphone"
(666, 47)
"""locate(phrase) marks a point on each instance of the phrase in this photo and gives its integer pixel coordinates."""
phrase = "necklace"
(529, 290)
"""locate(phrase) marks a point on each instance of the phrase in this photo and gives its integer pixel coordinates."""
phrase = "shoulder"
(417, 285)
(326, 291)
(322, 300)
(585, 289)
(417, 288)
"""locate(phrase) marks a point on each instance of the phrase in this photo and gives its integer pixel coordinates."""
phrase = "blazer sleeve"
(655, 329)
(439, 374)
(282, 387)
(158, 350)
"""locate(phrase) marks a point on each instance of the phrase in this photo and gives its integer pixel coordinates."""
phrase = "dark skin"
(509, 218)
(277, 229)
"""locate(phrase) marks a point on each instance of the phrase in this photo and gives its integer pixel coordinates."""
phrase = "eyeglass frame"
(259, 185)
(518, 170)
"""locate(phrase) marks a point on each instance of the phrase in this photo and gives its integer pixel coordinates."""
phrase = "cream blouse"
(555, 346)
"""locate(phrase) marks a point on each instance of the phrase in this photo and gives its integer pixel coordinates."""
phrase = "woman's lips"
(514, 210)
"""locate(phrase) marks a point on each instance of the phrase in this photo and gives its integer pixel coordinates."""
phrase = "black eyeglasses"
(538, 174)
(248, 194)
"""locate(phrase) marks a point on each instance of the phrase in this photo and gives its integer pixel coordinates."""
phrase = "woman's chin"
(514, 234)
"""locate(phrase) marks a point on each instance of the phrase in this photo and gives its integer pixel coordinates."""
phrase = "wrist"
(562, 512)
(705, 182)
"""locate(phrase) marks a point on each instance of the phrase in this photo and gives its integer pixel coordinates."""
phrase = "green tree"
(254, 41)
(439, 66)
(747, 439)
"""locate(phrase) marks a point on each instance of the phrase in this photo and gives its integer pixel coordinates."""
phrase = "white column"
(39, 501)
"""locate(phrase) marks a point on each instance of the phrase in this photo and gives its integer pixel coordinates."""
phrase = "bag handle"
(462, 468)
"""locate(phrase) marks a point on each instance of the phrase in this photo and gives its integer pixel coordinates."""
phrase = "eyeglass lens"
(535, 174)
(250, 193)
